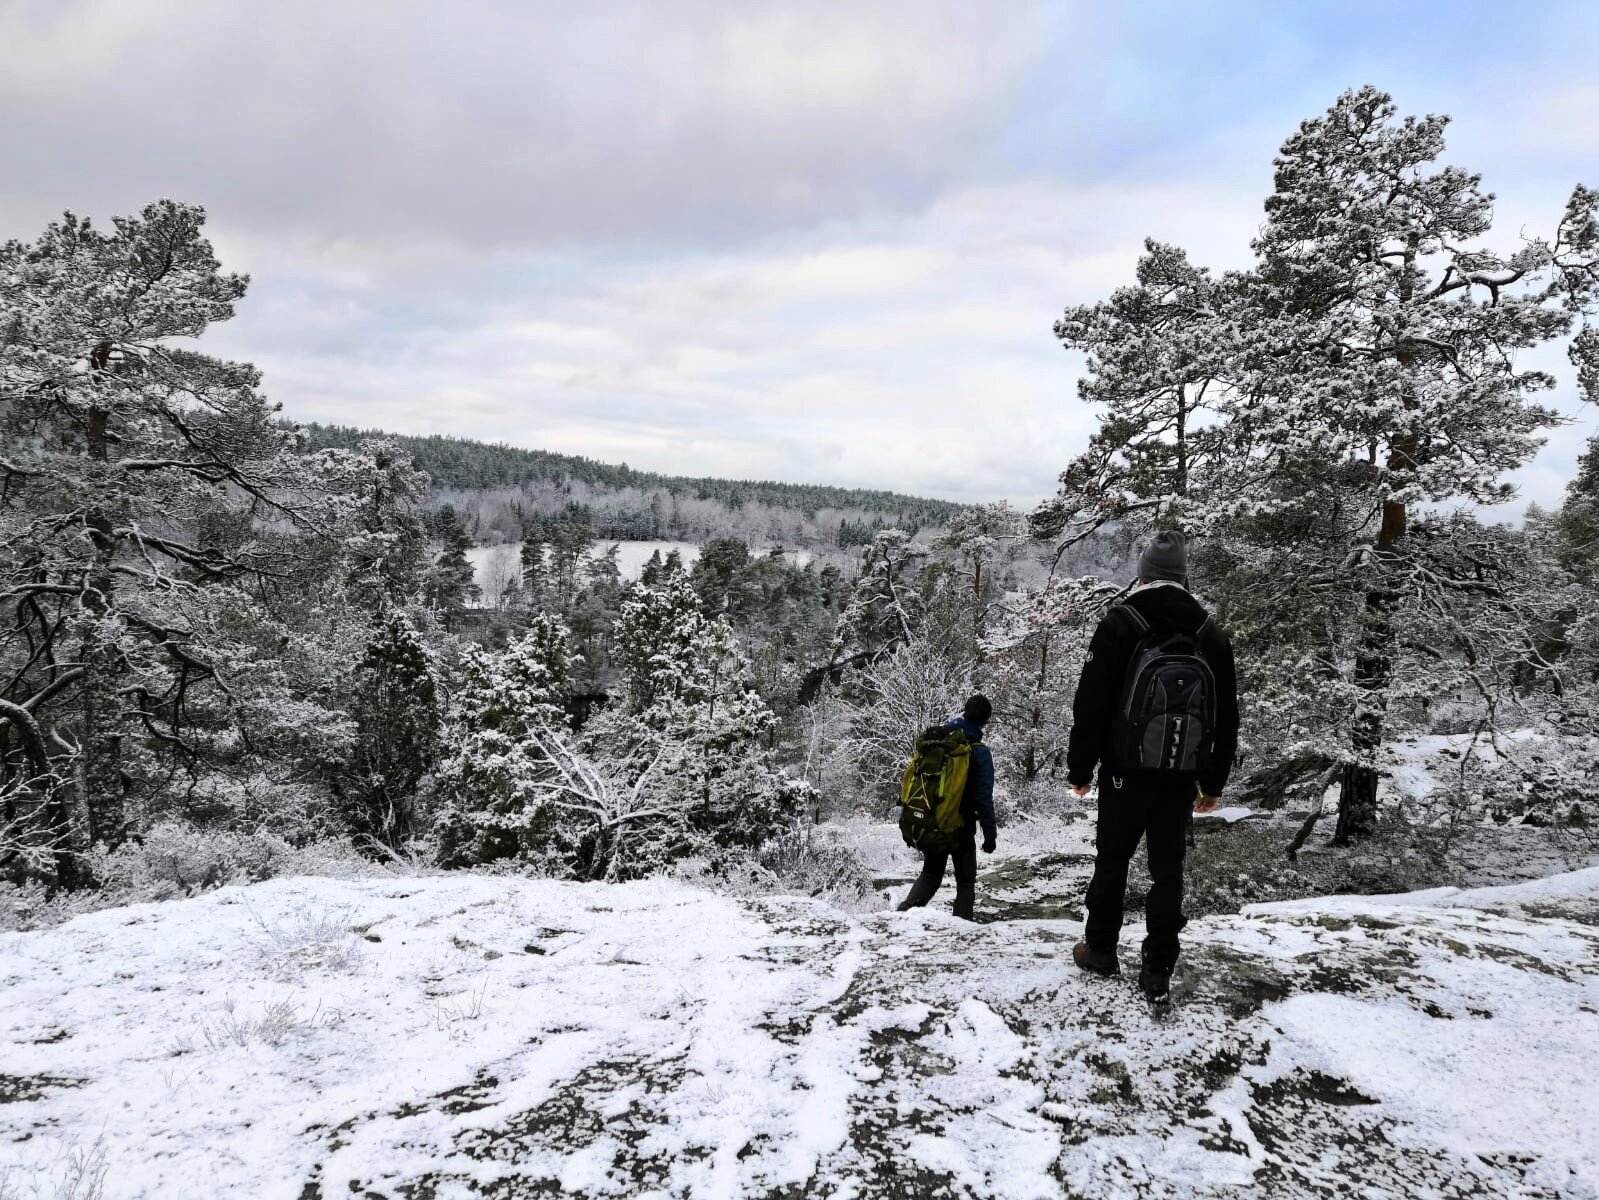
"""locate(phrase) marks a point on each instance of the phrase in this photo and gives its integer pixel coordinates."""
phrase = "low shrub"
(802, 861)
(173, 860)
(308, 941)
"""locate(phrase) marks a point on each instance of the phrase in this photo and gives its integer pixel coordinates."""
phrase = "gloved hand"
(988, 845)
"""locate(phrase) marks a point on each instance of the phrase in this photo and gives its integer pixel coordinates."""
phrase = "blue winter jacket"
(978, 803)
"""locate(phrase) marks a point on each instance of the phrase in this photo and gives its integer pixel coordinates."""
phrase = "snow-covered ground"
(490, 562)
(461, 1035)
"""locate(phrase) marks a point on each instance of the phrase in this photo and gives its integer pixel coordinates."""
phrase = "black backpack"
(1165, 724)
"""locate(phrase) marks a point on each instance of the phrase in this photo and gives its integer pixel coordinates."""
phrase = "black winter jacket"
(1166, 607)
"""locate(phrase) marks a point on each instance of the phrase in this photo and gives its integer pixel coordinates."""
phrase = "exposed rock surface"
(451, 1036)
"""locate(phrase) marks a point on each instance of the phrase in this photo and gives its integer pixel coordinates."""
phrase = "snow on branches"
(186, 587)
(1307, 420)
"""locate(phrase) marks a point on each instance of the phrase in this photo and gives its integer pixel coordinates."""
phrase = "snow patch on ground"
(459, 1035)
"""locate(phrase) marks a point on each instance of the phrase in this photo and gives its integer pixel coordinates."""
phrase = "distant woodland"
(497, 489)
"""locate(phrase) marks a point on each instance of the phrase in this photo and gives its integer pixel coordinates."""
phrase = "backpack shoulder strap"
(1205, 626)
(1140, 622)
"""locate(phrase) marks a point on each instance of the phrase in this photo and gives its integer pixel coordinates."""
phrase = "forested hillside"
(487, 481)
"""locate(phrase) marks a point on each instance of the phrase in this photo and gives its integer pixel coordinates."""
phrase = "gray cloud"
(424, 129)
(912, 352)
(811, 241)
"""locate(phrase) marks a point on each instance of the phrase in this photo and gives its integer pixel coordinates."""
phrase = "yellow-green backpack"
(931, 790)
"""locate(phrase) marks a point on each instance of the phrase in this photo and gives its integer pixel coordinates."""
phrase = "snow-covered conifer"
(379, 497)
(449, 586)
(535, 559)
(1158, 360)
(686, 717)
(982, 542)
(488, 787)
(884, 607)
(1578, 519)
(154, 509)
(1305, 420)
(396, 710)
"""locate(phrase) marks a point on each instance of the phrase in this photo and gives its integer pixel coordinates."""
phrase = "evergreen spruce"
(490, 788)
(397, 717)
(450, 587)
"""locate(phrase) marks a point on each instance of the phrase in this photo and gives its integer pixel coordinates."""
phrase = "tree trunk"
(1035, 715)
(1374, 669)
(100, 754)
(1374, 659)
(977, 609)
(101, 802)
(1182, 439)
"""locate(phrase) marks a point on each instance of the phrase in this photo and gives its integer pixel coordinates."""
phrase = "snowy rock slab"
(466, 1035)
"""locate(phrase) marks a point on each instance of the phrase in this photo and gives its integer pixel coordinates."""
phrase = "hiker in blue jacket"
(977, 806)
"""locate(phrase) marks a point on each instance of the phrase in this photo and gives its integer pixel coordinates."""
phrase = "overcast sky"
(810, 241)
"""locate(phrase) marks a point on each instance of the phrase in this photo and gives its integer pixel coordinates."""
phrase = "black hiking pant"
(1127, 814)
(964, 852)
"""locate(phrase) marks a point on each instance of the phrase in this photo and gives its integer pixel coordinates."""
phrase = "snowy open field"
(630, 557)
(466, 1035)
(492, 564)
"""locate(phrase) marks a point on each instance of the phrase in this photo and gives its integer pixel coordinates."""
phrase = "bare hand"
(1207, 804)
(1079, 789)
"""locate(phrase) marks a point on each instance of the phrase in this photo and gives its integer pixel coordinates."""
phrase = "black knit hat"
(978, 710)
(1166, 557)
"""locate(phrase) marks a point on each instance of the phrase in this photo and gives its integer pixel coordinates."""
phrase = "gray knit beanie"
(1166, 557)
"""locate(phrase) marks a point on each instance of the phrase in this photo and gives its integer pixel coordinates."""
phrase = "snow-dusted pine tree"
(450, 587)
(884, 609)
(981, 544)
(381, 543)
(396, 710)
(1379, 373)
(490, 788)
(151, 503)
(535, 559)
(688, 733)
(1306, 420)
(1578, 519)
(1158, 356)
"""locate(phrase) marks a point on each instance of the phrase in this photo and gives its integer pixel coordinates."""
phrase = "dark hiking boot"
(1154, 979)
(1099, 962)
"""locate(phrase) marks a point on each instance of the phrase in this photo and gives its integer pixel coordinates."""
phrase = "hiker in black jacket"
(977, 806)
(1134, 805)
